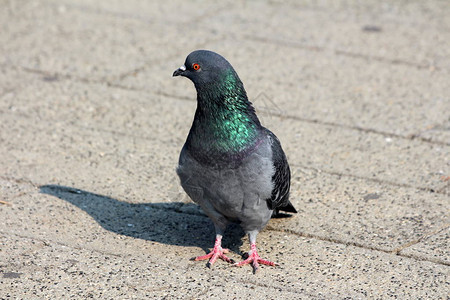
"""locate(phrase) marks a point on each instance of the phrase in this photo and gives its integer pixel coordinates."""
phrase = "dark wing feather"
(281, 179)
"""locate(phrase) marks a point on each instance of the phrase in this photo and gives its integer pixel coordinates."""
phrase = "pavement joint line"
(376, 180)
(357, 128)
(115, 132)
(316, 121)
(265, 285)
(19, 180)
(98, 129)
(56, 76)
(369, 58)
(134, 71)
(202, 292)
(431, 260)
(420, 239)
(48, 243)
(176, 97)
(409, 137)
(159, 289)
(301, 234)
(357, 245)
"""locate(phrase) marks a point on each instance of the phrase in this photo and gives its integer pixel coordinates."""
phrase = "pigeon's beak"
(179, 71)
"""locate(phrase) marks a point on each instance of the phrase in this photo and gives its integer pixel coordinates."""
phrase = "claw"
(255, 260)
(216, 252)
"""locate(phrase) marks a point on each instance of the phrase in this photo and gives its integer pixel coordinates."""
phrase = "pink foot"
(255, 260)
(217, 252)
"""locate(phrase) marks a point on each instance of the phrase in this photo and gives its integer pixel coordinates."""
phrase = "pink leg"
(254, 258)
(217, 252)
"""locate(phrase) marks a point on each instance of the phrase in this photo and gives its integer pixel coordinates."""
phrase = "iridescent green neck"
(225, 121)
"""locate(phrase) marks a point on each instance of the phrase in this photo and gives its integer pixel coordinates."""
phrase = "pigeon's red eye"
(196, 67)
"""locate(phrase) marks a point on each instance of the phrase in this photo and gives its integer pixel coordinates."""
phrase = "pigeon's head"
(204, 68)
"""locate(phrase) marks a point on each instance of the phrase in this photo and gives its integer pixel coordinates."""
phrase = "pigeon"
(230, 165)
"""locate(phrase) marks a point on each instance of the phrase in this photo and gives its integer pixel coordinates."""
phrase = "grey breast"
(239, 193)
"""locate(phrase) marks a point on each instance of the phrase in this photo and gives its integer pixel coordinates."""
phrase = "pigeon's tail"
(288, 208)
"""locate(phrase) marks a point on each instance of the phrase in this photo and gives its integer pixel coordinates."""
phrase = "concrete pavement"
(92, 123)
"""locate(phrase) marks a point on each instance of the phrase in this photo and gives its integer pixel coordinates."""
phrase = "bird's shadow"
(173, 223)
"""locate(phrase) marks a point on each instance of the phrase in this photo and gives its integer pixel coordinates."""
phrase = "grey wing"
(281, 179)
